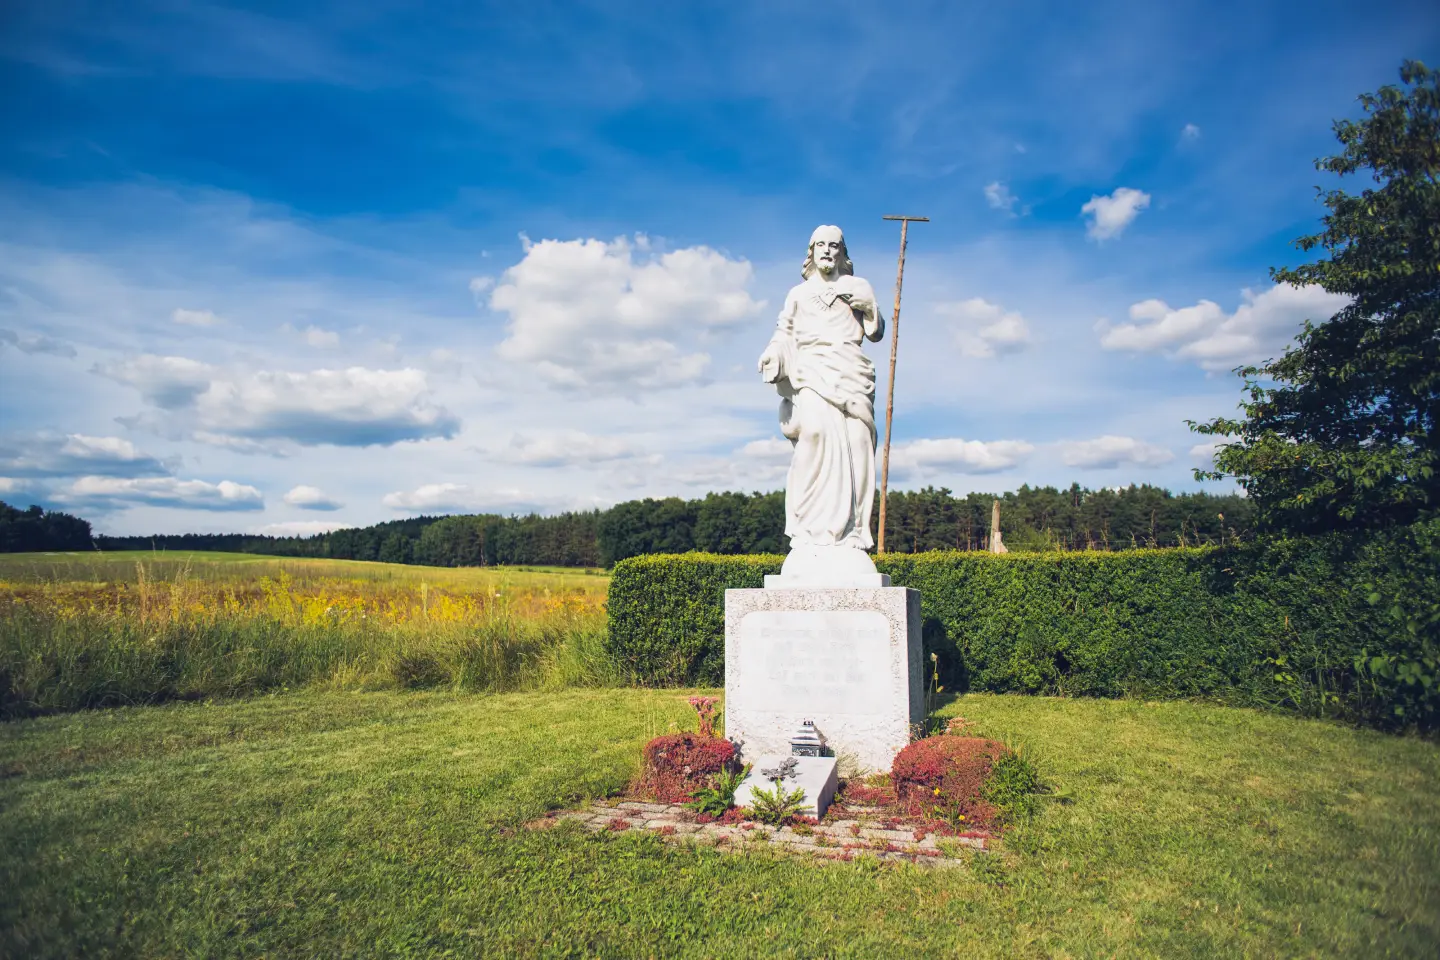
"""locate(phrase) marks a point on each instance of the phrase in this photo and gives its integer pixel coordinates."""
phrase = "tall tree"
(1340, 431)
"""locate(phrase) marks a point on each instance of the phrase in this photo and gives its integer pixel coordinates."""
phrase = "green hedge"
(1336, 625)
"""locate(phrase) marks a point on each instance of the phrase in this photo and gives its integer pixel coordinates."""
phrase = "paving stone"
(639, 807)
(895, 836)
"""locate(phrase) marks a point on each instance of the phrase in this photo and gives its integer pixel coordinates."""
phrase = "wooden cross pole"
(890, 400)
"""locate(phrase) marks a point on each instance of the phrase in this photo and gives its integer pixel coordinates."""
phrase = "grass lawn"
(334, 824)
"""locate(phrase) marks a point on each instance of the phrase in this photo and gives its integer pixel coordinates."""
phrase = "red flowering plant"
(677, 765)
(942, 777)
(705, 714)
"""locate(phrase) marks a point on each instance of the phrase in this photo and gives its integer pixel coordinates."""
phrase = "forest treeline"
(1032, 518)
(25, 531)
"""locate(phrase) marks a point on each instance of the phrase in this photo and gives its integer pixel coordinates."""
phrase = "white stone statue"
(827, 411)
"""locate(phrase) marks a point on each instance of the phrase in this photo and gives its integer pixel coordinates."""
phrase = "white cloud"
(1203, 454)
(461, 498)
(1110, 451)
(167, 382)
(954, 455)
(1261, 328)
(1109, 216)
(983, 329)
(565, 448)
(316, 337)
(590, 314)
(111, 492)
(76, 455)
(998, 195)
(12, 489)
(311, 498)
(299, 528)
(1190, 132)
(770, 450)
(354, 407)
(35, 343)
(194, 318)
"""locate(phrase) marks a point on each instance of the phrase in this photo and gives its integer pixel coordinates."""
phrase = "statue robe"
(827, 411)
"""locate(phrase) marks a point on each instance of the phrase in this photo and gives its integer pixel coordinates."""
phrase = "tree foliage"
(1340, 431)
(23, 531)
(1033, 518)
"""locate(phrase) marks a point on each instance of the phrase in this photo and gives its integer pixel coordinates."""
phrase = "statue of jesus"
(827, 406)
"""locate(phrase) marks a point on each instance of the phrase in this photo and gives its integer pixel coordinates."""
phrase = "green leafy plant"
(1177, 623)
(1014, 785)
(776, 805)
(1341, 432)
(720, 796)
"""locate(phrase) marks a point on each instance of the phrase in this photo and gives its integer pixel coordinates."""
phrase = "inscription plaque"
(836, 662)
(846, 658)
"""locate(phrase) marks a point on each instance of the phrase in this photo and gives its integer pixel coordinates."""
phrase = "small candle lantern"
(807, 741)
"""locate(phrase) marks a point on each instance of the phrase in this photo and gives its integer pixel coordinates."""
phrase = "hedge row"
(1335, 625)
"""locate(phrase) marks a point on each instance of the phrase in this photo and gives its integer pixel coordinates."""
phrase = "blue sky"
(289, 267)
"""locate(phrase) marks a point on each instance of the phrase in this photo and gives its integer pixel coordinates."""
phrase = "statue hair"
(844, 267)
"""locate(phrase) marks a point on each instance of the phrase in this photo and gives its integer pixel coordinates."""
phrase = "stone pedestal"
(814, 775)
(847, 658)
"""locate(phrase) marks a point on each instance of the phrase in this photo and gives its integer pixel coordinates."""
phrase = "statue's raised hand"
(770, 363)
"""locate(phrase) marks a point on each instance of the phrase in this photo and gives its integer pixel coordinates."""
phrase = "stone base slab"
(815, 775)
(848, 659)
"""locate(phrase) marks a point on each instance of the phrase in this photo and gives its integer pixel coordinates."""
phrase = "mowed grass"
(91, 630)
(386, 824)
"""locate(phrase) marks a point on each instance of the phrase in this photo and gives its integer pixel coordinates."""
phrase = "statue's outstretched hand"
(770, 363)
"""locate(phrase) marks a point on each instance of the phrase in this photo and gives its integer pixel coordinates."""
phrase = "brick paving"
(862, 833)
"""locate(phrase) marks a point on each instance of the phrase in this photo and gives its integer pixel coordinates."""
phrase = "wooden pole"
(890, 398)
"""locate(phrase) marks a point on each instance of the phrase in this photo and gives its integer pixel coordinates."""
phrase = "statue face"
(826, 251)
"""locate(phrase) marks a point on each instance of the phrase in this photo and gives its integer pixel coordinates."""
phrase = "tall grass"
(67, 644)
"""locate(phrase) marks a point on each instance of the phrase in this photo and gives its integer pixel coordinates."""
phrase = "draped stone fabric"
(827, 410)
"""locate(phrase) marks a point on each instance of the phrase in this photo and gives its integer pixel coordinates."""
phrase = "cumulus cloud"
(983, 329)
(35, 343)
(1203, 454)
(316, 337)
(1260, 328)
(1189, 132)
(298, 528)
(167, 382)
(954, 455)
(1109, 216)
(565, 448)
(13, 489)
(769, 450)
(1107, 452)
(76, 455)
(114, 492)
(460, 498)
(311, 498)
(590, 314)
(998, 195)
(354, 407)
(194, 318)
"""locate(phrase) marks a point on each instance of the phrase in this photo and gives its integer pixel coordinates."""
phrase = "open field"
(382, 824)
(85, 630)
(123, 566)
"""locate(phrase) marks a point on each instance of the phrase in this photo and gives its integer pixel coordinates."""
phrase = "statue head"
(827, 254)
